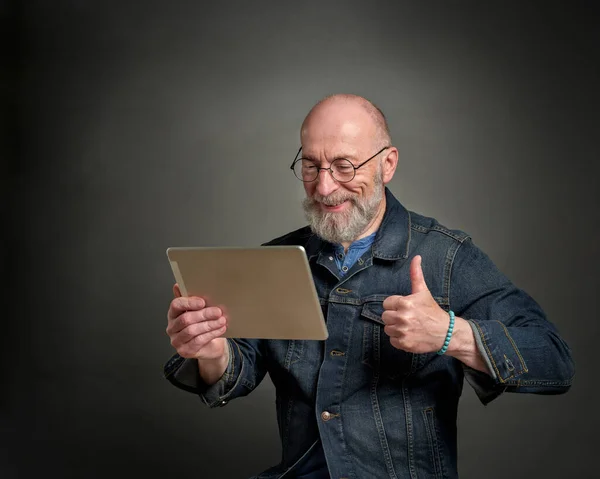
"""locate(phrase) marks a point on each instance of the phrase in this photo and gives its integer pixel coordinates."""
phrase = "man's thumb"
(176, 291)
(417, 280)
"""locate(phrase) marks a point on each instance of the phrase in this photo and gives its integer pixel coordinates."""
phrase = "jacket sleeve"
(522, 349)
(245, 371)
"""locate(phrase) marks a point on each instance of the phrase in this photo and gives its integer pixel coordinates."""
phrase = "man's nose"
(325, 183)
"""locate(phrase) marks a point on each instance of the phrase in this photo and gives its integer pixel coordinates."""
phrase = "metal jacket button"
(326, 415)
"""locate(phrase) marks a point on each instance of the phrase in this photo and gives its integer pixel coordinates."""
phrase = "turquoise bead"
(449, 334)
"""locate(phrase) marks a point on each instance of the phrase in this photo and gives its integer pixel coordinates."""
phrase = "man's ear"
(389, 164)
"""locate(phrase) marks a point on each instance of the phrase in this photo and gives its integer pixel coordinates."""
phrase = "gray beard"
(346, 226)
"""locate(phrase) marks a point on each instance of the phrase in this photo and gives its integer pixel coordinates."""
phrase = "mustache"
(332, 199)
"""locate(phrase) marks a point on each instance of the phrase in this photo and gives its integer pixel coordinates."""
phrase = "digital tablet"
(265, 292)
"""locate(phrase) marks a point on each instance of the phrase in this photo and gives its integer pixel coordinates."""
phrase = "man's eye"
(344, 167)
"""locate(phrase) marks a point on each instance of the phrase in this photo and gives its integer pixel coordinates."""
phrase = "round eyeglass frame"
(319, 168)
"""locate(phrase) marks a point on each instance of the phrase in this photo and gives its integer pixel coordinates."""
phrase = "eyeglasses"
(342, 170)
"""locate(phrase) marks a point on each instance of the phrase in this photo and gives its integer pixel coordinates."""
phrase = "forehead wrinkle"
(329, 158)
(331, 153)
(342, 141)
(345, 131)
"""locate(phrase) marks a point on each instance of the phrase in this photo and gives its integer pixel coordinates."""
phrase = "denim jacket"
(377, 410)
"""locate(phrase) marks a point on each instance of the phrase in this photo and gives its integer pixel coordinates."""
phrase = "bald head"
(346, 114)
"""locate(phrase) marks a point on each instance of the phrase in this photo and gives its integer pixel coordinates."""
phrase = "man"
(411, 307)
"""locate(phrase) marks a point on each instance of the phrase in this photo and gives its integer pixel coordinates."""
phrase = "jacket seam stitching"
(409, 235)
(514, 346)
(447, 276)
(487, 348)
(381, 427)
(460, 238)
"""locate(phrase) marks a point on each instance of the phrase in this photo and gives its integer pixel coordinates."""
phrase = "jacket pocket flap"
(373, 311)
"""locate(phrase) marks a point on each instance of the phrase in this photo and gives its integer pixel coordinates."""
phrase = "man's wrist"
(212, 370)
(463, 346)
(462, 340)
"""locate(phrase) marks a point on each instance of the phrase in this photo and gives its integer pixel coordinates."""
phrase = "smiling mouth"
(334, 205)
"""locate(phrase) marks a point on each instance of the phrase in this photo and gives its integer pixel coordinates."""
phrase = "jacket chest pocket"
(377, 351)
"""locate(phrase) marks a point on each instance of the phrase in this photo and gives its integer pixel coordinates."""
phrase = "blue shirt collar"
(358, 244)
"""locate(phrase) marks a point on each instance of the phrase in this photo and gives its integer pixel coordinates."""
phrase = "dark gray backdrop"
(134, 126)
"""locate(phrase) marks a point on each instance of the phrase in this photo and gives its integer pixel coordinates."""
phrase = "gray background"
(134, 126)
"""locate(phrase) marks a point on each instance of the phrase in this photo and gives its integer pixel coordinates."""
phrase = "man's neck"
(372, 227)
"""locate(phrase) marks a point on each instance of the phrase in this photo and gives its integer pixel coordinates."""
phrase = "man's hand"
(195, 330)
(415, 323)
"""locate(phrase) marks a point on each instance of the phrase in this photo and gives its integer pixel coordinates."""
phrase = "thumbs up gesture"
(415, 323)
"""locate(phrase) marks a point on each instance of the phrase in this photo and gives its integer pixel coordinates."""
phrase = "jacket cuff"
(500, 354)
(218, 394)
(184, 373)
(499, 351)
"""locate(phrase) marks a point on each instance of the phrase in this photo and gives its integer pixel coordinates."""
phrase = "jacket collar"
(392, 240)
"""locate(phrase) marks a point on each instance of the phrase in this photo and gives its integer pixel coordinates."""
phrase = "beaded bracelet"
(449, 335)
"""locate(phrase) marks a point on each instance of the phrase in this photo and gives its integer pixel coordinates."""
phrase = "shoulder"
(433, 229)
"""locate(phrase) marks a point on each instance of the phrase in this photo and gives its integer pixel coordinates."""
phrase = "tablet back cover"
(265, 292)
